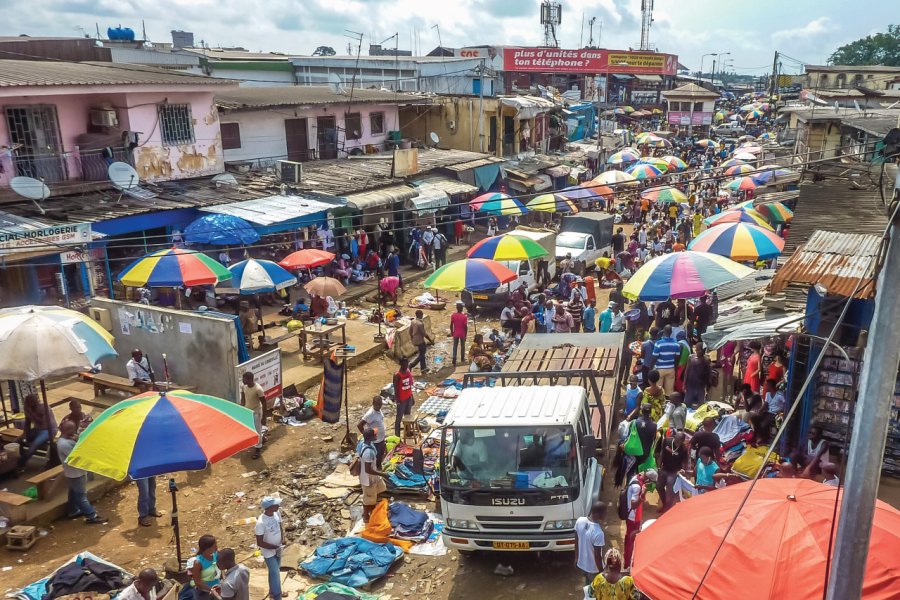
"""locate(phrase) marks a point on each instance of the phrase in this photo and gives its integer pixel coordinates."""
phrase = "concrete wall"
(205, 358)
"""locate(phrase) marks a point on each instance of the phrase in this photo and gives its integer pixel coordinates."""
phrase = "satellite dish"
(224, 179)
(335, 83)
(434, 138)
(123, 176)
(31, 188)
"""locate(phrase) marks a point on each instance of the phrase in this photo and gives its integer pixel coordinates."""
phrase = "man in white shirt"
(254, 397)
(428, 243)
(139, 370)
(374, 419)
(269, 536)
(142, 588)
(370, 475)
(589, 542)
(225, 257)
(235, 582)
(618, 319)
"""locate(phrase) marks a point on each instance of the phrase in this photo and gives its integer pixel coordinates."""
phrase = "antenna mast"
(551, 18)
(646, 22)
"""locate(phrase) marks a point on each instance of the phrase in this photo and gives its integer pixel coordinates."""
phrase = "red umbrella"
(306, 259)
(778, 547)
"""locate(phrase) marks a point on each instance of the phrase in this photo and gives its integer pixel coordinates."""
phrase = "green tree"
(878, 49)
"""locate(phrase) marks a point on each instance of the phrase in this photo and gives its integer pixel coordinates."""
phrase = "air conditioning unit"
(104, 117)
(290, 171)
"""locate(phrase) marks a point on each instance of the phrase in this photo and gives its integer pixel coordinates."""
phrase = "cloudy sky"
(806, 30)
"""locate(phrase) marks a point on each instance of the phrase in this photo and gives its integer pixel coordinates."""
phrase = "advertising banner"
(22, 239)
(266, 370)
(558, 60)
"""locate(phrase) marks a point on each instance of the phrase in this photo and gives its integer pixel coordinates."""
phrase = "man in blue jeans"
(269, 536)
(79, 505)
(146, 503)
(37, 429)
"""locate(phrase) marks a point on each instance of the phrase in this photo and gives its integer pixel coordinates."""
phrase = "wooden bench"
(12, 506)
(264, 341)
(10, 435)
(102, 382)
(46, 481)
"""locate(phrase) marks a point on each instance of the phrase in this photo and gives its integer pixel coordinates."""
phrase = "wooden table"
(319, 336)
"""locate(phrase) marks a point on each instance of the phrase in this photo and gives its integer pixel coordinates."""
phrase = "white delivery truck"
(518, 466)
(527, 272)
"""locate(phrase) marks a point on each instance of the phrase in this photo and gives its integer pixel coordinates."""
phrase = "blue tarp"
(351, 561)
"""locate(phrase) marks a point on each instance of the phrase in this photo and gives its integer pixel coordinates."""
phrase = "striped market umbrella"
(686, 274)
(307, 258)
(640, 138)
(659, 163)
(173, 268)
(507, 247)
(470, 274)
(739, 215)
(260, 277)
(706, 143)
(600, 190)
(38, 342)
(753, 115)
(746, 138)
(641, 172)
(763, 177)
(665, 194)
(577, 192)
(162, 432)
(657, 142)
(621, 158)
(552, 203)
(736, 170)
(731, 162)
(739, 241)
(502, 207)
(751, 148)
(675, 163)
(775, 212)
(741, 183)
(614, 178)
(476, 202)
(627, 109)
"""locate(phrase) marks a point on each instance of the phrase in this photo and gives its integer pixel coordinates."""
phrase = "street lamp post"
(721, 65)
(701, 63)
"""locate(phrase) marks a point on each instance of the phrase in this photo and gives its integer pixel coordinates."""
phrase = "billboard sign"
(24, 239)
(266, 370)
(558, 60)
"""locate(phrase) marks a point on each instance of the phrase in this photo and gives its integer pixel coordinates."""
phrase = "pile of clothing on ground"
(415, 531)
(411, 472)
(351, 561)
(85, 572)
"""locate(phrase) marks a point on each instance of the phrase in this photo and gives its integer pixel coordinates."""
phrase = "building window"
(352, 126)
(376, 122)
(698, 107)
(231, 136)
(176, 124)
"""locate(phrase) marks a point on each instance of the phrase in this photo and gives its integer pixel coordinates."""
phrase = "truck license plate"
(479, 296)
(512, 546)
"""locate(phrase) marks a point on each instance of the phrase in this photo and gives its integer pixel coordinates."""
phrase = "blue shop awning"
(275, 213)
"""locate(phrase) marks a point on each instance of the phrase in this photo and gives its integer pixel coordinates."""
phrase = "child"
(706, 476)
(829, 470)
(632, 394)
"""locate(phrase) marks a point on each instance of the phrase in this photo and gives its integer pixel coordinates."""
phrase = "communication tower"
(551, 17)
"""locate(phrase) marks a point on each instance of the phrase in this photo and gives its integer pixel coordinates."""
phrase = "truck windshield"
(509, 458)
(568, 239)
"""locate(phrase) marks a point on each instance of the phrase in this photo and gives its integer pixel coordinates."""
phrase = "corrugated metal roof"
(834, 260)
(300, 95)
(517, 405)
(690, 90)
(758, 281)
(271, 209)
(30, 73)
(380, 197)
(447, 185)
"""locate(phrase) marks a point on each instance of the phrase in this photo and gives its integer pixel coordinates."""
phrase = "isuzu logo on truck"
(508, 501)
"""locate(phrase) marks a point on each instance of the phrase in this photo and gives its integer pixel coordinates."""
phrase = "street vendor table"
(321, 339)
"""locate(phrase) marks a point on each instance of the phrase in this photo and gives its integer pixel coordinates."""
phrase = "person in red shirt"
(754, 366)
(459, 328)
(776, 369)
(403, 393)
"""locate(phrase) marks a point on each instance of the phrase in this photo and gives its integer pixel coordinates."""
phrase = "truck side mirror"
(589, 445)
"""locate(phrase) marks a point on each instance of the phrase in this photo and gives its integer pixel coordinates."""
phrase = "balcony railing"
(65, 166)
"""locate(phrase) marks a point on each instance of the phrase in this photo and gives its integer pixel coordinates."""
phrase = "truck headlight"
(461, 524)
(559, 525)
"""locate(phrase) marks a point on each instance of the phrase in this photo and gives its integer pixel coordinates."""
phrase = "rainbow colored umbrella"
(736, 170)
(627, 109)
(601, 190)
(470, 274)
(686, 274)
(657, 142)
(741, 183)
(621, 158)
(173, 268)
(731, 162)
(675, 163)
(749, 147)
(507, 247)
(739, 215)
(739, 241)
(614, 178)
(577, 192)
(502, 206)
(763, 177)
(642, 136)
(753, 115)
(553, 203)
(775, 212)
(745, 156)
(665, 194)
(706, 143)
(641, 172)
(161, 432)
(659, 163)
(476, 203)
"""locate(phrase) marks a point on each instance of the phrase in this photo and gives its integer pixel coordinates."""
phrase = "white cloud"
(813, 29)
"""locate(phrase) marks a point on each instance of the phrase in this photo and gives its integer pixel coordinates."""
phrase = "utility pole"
(870, 425)
(591, 32)
(773, 87)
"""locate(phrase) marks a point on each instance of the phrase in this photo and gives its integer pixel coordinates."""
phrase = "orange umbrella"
(306, 259)
(778, 547)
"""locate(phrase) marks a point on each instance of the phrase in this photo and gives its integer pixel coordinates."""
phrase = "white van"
(517, 468)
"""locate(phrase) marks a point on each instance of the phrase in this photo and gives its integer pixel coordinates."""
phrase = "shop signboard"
(558, 60)
(29, 239)
(266, 370)
(688, 118)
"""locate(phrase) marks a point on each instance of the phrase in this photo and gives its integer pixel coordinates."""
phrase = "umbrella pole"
(262, 322)
(3, 404)
(176, 531)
